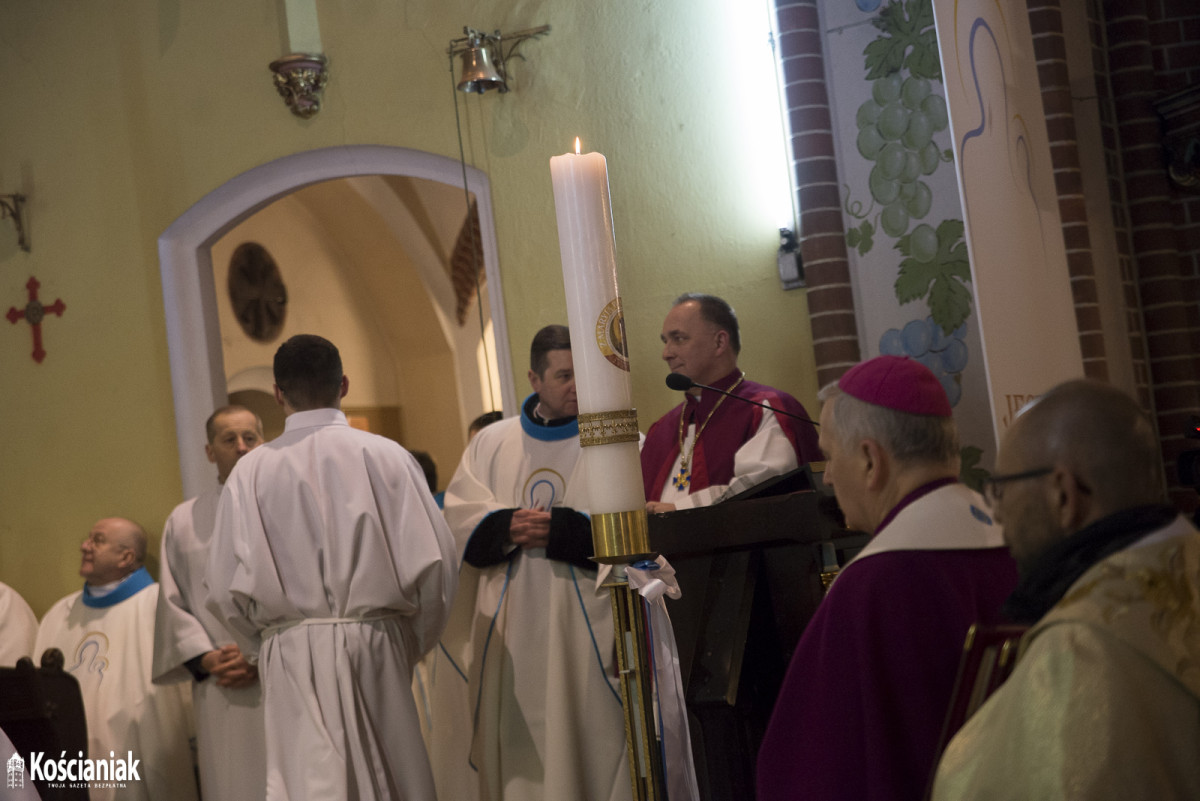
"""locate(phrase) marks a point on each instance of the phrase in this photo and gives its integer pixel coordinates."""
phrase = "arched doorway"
(190, 296)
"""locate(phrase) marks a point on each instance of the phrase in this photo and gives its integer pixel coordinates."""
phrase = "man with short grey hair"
(192, 646)
(862, 706)
(1105, 699)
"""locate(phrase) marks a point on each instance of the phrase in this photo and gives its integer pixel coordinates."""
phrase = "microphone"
(681, 382)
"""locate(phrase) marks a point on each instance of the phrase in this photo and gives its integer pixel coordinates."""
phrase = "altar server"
(332, 566)
(18, 627)
(191, 645)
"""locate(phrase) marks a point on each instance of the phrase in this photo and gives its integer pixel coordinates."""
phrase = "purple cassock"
(861, 708)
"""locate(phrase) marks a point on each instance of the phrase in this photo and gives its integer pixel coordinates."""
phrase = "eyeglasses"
(992, 484)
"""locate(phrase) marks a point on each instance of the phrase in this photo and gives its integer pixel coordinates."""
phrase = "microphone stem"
(756, 403)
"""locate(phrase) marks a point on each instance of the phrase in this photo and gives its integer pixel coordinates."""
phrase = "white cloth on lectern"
(230, 738)
(652, 584)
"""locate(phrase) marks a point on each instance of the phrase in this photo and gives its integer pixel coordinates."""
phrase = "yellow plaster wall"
(119, 116)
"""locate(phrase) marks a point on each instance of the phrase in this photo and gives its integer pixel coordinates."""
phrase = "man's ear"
(127, 558)
(1070, 502)
(278, 394)
(345, 387)
(873, 463)
(208, 451)
(535, 381)
(722, 340)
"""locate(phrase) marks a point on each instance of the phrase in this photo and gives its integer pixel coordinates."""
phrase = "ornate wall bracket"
(299, 79)
(1180, 113)
(13, 206)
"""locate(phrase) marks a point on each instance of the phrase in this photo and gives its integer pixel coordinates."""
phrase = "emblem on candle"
(610, 334)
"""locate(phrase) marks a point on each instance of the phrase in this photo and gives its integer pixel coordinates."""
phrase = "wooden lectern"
(749, 569)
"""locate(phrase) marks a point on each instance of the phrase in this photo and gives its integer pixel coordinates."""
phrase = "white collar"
(950, 518)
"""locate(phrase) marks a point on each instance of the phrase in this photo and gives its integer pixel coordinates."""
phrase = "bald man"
(1104, 700)
(106, 633)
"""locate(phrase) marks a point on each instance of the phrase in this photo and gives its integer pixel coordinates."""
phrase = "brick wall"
(1045, 22)
(822, 238)
(1148, 54)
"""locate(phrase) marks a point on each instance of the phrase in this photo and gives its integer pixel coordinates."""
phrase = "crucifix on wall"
(33, 313)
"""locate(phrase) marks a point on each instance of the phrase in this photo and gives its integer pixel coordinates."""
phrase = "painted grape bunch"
(923, 340)
(895, 130)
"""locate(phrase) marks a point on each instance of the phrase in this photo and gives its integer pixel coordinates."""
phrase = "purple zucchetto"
(897, 383)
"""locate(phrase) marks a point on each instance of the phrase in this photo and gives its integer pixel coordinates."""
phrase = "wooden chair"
(41, 709)
(989, 655)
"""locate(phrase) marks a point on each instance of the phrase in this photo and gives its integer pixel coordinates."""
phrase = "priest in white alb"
(333, 568)
(190, 645)
(531, 643)
(106, 634)
(18, 627)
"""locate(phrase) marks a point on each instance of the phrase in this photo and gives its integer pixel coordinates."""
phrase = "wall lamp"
(485, 57)
(13, 206)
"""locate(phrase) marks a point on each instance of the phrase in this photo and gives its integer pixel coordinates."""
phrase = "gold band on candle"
(620, 537)
(607, 428)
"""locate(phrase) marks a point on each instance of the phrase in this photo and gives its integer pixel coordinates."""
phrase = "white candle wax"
(598, 347)
(304, 34)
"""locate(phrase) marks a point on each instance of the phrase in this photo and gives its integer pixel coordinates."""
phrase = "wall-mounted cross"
(33, 313)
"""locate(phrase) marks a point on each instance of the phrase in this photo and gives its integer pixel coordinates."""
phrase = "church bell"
(478, 72)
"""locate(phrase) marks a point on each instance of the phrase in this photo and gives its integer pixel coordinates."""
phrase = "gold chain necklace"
(684, 479)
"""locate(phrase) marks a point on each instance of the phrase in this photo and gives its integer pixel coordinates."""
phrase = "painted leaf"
(904, 26)
(949, 303)
(969, 471)
(913, 281)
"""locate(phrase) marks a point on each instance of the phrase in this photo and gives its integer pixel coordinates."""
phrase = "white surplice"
(18, 627)
(526, 671)
(230, 738)
(110, 651)
(332, 564)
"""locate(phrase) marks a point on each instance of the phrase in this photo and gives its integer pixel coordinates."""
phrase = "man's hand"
(658, 507)
(229, 668)
(530, 528)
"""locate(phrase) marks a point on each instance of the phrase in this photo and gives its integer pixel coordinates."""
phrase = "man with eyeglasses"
(106, 634)
(1104, 700)
(862, 705)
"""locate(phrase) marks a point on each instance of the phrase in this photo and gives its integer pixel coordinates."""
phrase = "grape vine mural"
(897, 126)
(901, 203)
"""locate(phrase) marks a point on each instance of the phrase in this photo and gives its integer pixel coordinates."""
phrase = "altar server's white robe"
(231, 744)
(18, 627)
(530, 640)
(331, 535)
(110, 651)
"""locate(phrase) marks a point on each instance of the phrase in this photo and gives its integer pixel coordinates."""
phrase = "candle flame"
(577, 146)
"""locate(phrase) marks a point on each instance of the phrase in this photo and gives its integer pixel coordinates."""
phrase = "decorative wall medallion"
(257, 292)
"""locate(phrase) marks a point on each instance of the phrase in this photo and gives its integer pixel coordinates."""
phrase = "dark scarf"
(1061, 565)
